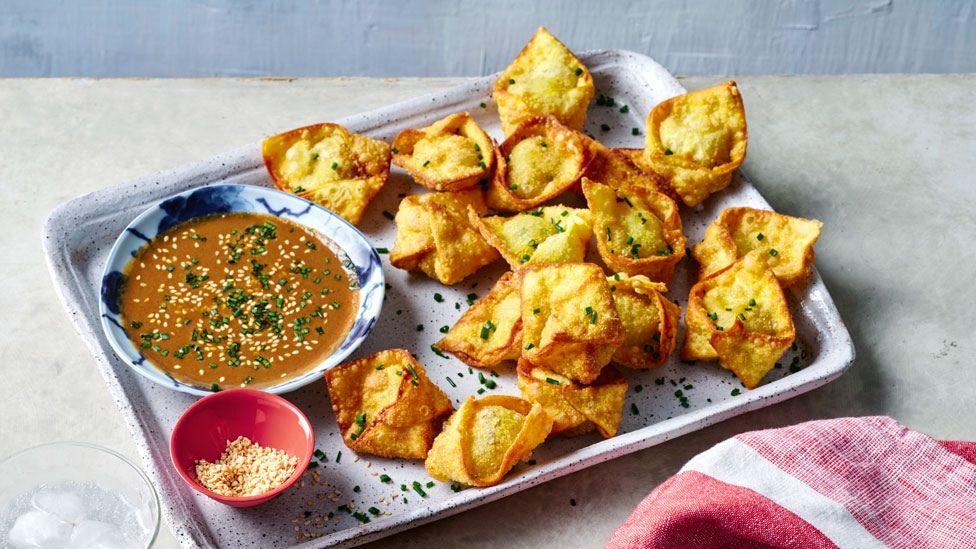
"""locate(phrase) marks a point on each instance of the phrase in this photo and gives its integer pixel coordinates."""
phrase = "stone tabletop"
(888, 163)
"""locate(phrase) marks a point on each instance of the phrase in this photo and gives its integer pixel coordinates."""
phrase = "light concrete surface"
(886, 162)
(194, 38)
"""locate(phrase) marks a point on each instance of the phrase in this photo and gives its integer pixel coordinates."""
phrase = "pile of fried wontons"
(561, 319)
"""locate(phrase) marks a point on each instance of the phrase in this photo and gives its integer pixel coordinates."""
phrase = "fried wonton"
(550, 234)
(490, 331)
(576, 409)
(545, 79)
(740, 316)
(696, 141)
(614, 168)
(570, 324)
(638, 231)
(786, 242)
(435, 236)
(541, 159)
(385, 405)
(650, 321)
(449, 155)
(326, 164)
(486, 438)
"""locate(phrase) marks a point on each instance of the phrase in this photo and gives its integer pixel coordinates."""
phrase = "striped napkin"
(849, 482)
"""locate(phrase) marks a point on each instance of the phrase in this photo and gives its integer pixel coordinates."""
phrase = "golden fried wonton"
(541, 159)
(740, 316)
(614, 168)
(786, 242)
(575, 408)
(696, 140)
(650, 321)
(326, 164)
(385, 405)
(449, 155)
(486, 438)
(569, 322)
(550, 234)
(545, 79)
(638, 231)
(435, 236)
(490, 331)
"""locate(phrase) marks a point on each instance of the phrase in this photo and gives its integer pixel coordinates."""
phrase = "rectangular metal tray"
(78, 235)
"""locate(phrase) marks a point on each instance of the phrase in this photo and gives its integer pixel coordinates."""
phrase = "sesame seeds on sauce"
(238, 299)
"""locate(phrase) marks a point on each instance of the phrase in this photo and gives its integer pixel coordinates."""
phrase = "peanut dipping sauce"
(238, 299)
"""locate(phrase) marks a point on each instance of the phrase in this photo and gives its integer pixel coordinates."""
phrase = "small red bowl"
(205, 427)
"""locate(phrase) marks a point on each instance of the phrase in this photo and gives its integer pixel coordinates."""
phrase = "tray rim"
(183, 526)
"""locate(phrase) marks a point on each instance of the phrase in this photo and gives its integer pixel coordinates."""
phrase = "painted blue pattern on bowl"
(240, 198)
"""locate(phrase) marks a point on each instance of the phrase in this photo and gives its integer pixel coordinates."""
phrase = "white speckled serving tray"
(78, 236)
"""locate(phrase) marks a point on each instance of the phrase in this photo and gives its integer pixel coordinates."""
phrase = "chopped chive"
(312, 465)
(356, 488)
(319, 454)
(760, 236)
(385, 478)
(735, 392)
(752, 302)
(450, 381)
(578, 71)
(633, 409)
(445, 328)
(483, 105)
(382, 250)
(604, 127)
(552, 381)
(773, 252)
(417, 488)
(412, 371)
(338, 457)
(511, 80)
(420, 327)
(513, 186)
(529, 346)
(624, 109)
(438, 298)
(535, 311)
(742, 316)
(388, 215)
(634, 131)
(426, 163)
(668, 152)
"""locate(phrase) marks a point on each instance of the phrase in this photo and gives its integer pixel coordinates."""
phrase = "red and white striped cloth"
(850, 482)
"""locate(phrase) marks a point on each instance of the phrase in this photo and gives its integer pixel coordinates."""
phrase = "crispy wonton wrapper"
(486, 438)
(738, 231)
(570, 324)
(740, 316)
(696, 141)
(541, 159)
(385, 405)
(550, 234)
(435, 236)
(449, 155)
(326, 164)
(614, 168)
(490, 331)
(638, 232)
(650, 321)
(576, 409)
(545, 79)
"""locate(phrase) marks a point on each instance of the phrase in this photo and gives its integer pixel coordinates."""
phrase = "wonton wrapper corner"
(576, 409)
(747, 289)
(384, 413)
(696, 141)
(650, 321)
(738, 231)
(614, 167)
(576, 329)
(638, 231)
(326, 164)
(490, 331)
(540, 160)
(449, 155)
(550, 234)
(545, 79)
(485, 438)
(435, 236)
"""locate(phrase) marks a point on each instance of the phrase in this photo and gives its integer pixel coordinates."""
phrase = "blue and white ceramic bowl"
(240, 198)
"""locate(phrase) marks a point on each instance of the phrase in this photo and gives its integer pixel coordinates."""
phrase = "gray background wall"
(195, 38)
